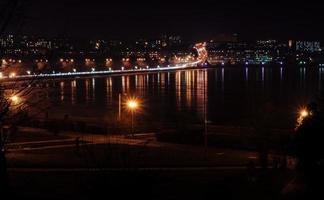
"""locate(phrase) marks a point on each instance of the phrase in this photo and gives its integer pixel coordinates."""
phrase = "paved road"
(170, 169)
(147, 140)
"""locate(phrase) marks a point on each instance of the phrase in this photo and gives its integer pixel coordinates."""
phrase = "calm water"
(234, 95)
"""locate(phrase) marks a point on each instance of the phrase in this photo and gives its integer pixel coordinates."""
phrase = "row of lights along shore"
(93, 70)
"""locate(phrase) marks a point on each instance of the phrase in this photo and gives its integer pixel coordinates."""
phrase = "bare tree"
(17, 98)
(7, 12)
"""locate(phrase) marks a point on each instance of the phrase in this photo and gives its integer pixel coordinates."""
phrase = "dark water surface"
(234, 95)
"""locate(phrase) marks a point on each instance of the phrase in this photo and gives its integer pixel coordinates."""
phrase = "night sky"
(195, 20)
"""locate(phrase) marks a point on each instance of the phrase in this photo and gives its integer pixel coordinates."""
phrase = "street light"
(132, 105)
(303, 113)
(14, 99)
(12, 75)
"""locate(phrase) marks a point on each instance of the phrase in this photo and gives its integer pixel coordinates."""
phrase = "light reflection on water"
(233, 95)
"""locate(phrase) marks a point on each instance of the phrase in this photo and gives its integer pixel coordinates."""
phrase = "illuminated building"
(308, 46)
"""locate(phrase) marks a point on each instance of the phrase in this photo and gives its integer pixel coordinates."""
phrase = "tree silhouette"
(17, 98)
(308, 140)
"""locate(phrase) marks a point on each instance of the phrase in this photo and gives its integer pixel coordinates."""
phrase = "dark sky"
(198, 20)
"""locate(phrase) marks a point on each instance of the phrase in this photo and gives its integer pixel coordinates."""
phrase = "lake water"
(234, 95)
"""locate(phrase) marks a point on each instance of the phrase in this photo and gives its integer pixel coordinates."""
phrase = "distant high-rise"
(308, 46)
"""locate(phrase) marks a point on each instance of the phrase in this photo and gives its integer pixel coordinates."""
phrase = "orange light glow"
(304, 113)
(14, 99)
(132, 104)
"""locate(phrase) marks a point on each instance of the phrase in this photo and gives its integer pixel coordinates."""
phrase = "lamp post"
(119, 106)
(132, 105)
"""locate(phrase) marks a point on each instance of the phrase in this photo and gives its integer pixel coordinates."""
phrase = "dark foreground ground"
(148, 184)
(117, 167)
(161, 184)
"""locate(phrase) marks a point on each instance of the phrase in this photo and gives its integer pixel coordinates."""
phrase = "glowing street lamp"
(132, 105)
(14, 99)
(304, 113)
(12, 75)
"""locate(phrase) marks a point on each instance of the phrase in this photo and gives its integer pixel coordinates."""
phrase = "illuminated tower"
(202, 52)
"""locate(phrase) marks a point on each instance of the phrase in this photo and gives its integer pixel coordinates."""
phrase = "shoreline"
(59, 75)
(111, 72)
